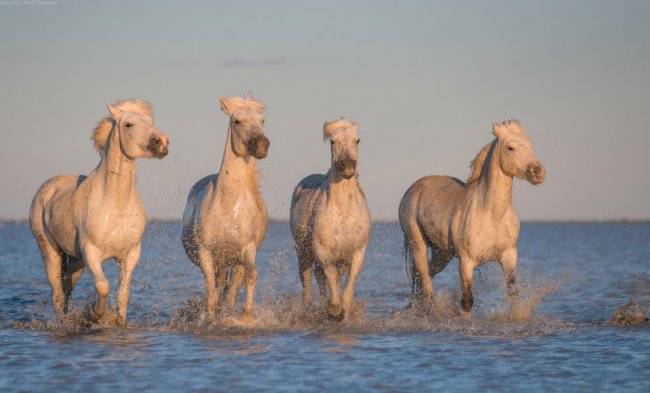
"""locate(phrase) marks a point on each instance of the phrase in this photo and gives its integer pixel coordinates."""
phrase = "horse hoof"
(466, 314)
(91, 315)
(335, 313)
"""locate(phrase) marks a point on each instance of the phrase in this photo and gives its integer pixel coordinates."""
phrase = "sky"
(424, 79)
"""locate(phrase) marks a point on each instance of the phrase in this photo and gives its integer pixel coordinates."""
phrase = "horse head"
(138, 137)
(247, 125)
(516, 152)
(344, 142)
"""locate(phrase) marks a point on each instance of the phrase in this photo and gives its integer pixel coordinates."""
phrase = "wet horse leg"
(211, 294)
(305, 266)
(334, 309)
(355, 268)
(71, 274)
(508, 261)
(439, 260)
(92, 257)
(237, 273)
(53, 261)
(321, 280)
(251, 279)
(423, 286)
(466, 269)
(127, 264)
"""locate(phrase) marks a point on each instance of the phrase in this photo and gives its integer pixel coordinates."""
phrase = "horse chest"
(114, 232)
(231, 224)
(342, 228)
(487, 239)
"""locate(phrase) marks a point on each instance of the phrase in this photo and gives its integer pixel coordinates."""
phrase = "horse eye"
(331, 142)
(511, 148)
(127, 124)
(358, 140)
(237, 121)
(263, 120)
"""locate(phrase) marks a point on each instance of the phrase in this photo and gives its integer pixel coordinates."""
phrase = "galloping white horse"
(330, 221)
(79, 220)
(475, 221)
(225, 218)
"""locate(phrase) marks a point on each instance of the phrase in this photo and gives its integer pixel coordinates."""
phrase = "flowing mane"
(232, 104)
(331, 126)
(511, 126)
(104, 127)
(477, 163)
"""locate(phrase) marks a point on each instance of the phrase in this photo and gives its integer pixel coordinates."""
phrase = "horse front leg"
(209, 274)
(127, 265)
(250, 277)
(355, 268)
(334, 309)
(93, 259)
(466, 269)
(508, 262)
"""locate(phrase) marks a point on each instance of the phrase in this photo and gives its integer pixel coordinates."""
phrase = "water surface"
(573, 276)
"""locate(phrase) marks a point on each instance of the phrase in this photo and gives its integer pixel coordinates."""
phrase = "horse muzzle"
(158, 146)
(535, 173)
(258, 146)
(347, 167)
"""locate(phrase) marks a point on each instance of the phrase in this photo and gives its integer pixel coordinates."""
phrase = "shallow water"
(573, 277)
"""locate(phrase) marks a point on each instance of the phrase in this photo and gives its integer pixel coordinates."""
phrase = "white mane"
(331, 126)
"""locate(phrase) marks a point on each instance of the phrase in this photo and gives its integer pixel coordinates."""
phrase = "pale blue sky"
(424, 79)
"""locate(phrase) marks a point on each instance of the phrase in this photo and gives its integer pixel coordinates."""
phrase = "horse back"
(51, 211)
(194, 202)
(428, 205)
(302, 203)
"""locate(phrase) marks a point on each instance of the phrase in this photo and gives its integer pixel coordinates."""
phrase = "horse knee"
(103, 288)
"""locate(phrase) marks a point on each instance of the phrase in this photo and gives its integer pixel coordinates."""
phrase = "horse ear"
(499, 130)
(115, 112)
(223, 102)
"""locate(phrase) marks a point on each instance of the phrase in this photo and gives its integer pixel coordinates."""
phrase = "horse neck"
(236, 172)
(115, 172)
(340, 188)
(494, 186)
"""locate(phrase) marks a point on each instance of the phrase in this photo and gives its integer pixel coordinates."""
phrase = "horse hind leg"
(237, 273)
(421, 286)
(321, 281)
(305, 267)
(71, 272)
(53, 261)
(439, 260)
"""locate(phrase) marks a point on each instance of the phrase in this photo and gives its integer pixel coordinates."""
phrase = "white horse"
(82, 221)
(225, 218)
(330, 221)
(475, 221)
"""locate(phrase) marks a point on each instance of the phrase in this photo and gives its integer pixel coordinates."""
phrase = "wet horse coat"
(82, 221)
(330, 222)
(474, 221)
(225, 218)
